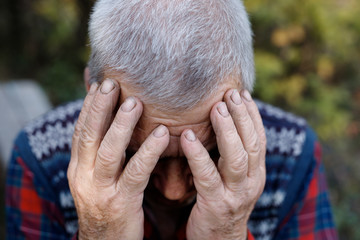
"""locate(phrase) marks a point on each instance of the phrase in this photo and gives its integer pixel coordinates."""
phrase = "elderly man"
(169, 143)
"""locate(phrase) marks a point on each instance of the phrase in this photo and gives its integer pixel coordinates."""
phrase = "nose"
(174, 181)
(175, 187)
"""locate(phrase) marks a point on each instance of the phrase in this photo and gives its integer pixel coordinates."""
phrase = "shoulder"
(52, 133)
(45, 145)
(42, 151)
(289, 157)
(285, 132)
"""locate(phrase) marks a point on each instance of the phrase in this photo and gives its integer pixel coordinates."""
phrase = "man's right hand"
(107, 196)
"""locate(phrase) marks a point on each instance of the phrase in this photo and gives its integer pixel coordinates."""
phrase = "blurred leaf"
(291, 89)
(325, 68)
(268, 67)
(62, 82)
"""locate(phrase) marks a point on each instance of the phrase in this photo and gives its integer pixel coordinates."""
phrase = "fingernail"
(222, 109)
(93, 88)
(160, 131)
(190, 136)
(128, 105)
(107, 86)
(246, 95)
(235, 97)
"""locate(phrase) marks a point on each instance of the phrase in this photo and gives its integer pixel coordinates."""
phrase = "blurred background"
(307, 57)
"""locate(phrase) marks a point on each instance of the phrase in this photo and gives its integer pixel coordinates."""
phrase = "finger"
(97, 122)
(79, 125)
(233, 162)
(245, 128)
(110, 156)
(206, 177)
(136, 174)
(253, 111)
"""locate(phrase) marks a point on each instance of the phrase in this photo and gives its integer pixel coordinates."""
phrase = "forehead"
(196, 119)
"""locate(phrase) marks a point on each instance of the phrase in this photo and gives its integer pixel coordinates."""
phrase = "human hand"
(108, 196)
(227, 193)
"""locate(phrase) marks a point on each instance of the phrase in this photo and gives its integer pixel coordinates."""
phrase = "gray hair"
(177, 52)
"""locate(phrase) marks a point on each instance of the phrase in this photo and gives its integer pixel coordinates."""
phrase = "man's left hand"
(227, 193)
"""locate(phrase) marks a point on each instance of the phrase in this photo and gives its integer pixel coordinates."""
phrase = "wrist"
(238, 231)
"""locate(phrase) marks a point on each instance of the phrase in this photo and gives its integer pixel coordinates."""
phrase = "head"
(178, 58)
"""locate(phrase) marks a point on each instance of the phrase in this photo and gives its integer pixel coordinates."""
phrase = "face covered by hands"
(108, 195)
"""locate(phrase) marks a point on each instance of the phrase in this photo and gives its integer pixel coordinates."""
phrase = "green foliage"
(307, 57)
(47, 41)
(307, 61)
(62, 82)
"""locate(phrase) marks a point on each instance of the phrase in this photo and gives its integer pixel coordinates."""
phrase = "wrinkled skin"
(108, 188)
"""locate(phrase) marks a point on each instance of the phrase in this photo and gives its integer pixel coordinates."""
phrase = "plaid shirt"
(294, 204)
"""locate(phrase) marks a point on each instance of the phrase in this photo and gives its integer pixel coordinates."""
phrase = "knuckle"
(75, 136)
(230, 134)
(133, 178)
(147, 151)
(86, 136)
(242, 116)
(87, 104)
(200, 156)
(254, 146)
(105, 156)
(77, 131)
(240, 163)
(232, 205)
(207, 175)
(78, 128)
(136, 167)
(83, 145)
(244, 156)
(87, 101)
(98, 106)
(123, 124)
(131, 181)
